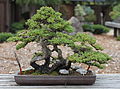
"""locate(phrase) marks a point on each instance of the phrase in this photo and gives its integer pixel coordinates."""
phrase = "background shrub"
(87, 28)
(85, 13)
(118, 38)
(90, 18)
(17, 26)
(99, 29)
(90, 14)
(115, 13)
(5, 36)
(96, 29)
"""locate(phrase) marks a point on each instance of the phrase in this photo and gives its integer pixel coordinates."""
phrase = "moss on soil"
(54, 73)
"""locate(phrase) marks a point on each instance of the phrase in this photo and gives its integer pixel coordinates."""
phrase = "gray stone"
(81, 71)
(15, 63)
(75, 67)
(29, 68)
(76, 24)
(63, 71)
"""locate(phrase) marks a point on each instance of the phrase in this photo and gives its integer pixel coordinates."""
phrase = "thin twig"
(20, 68)
(88, 67)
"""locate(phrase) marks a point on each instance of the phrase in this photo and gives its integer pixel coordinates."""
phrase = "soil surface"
(8, 63)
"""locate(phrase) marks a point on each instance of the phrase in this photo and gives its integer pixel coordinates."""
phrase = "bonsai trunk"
(47, 54)
(88, 68)
(61, 64)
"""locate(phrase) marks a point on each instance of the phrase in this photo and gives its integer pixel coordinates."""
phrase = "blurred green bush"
(90, 14)
(95, 28)
(118, 38)
(88, 28)
(99, 29)
(115, 13)
(4, 36)
(16, 26)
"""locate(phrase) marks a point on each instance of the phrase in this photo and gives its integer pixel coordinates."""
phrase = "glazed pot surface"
(54, 80)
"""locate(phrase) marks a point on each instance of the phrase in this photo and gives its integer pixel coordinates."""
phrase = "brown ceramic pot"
(54, 80)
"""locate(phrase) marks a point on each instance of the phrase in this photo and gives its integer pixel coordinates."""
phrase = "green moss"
(54, 73)
(36, 73)
(27, 72)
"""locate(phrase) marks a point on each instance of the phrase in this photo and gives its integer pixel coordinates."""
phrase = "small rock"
(63, 71)
(5, 61)
(15, 63)
(29, 68)
(106, 65)
(11, 72)
(76, 24)
(81, 71)
(75, 67)
(97, 70)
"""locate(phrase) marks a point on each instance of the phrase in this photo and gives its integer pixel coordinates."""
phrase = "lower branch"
(88, 68)
(20, 68)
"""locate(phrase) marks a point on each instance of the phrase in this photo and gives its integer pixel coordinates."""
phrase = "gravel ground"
(9, 65)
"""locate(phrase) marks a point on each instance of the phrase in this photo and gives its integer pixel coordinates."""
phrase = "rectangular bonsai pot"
(54, 80)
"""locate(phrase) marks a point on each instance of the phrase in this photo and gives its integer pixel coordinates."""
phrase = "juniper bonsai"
(46, 28)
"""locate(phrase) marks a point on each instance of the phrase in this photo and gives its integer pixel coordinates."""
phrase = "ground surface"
(9, 65)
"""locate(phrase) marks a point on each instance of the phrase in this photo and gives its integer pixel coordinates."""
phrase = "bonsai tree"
(46, 28)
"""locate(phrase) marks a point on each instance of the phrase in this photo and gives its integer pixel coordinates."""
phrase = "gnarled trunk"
(46, 56)
(61, 64)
